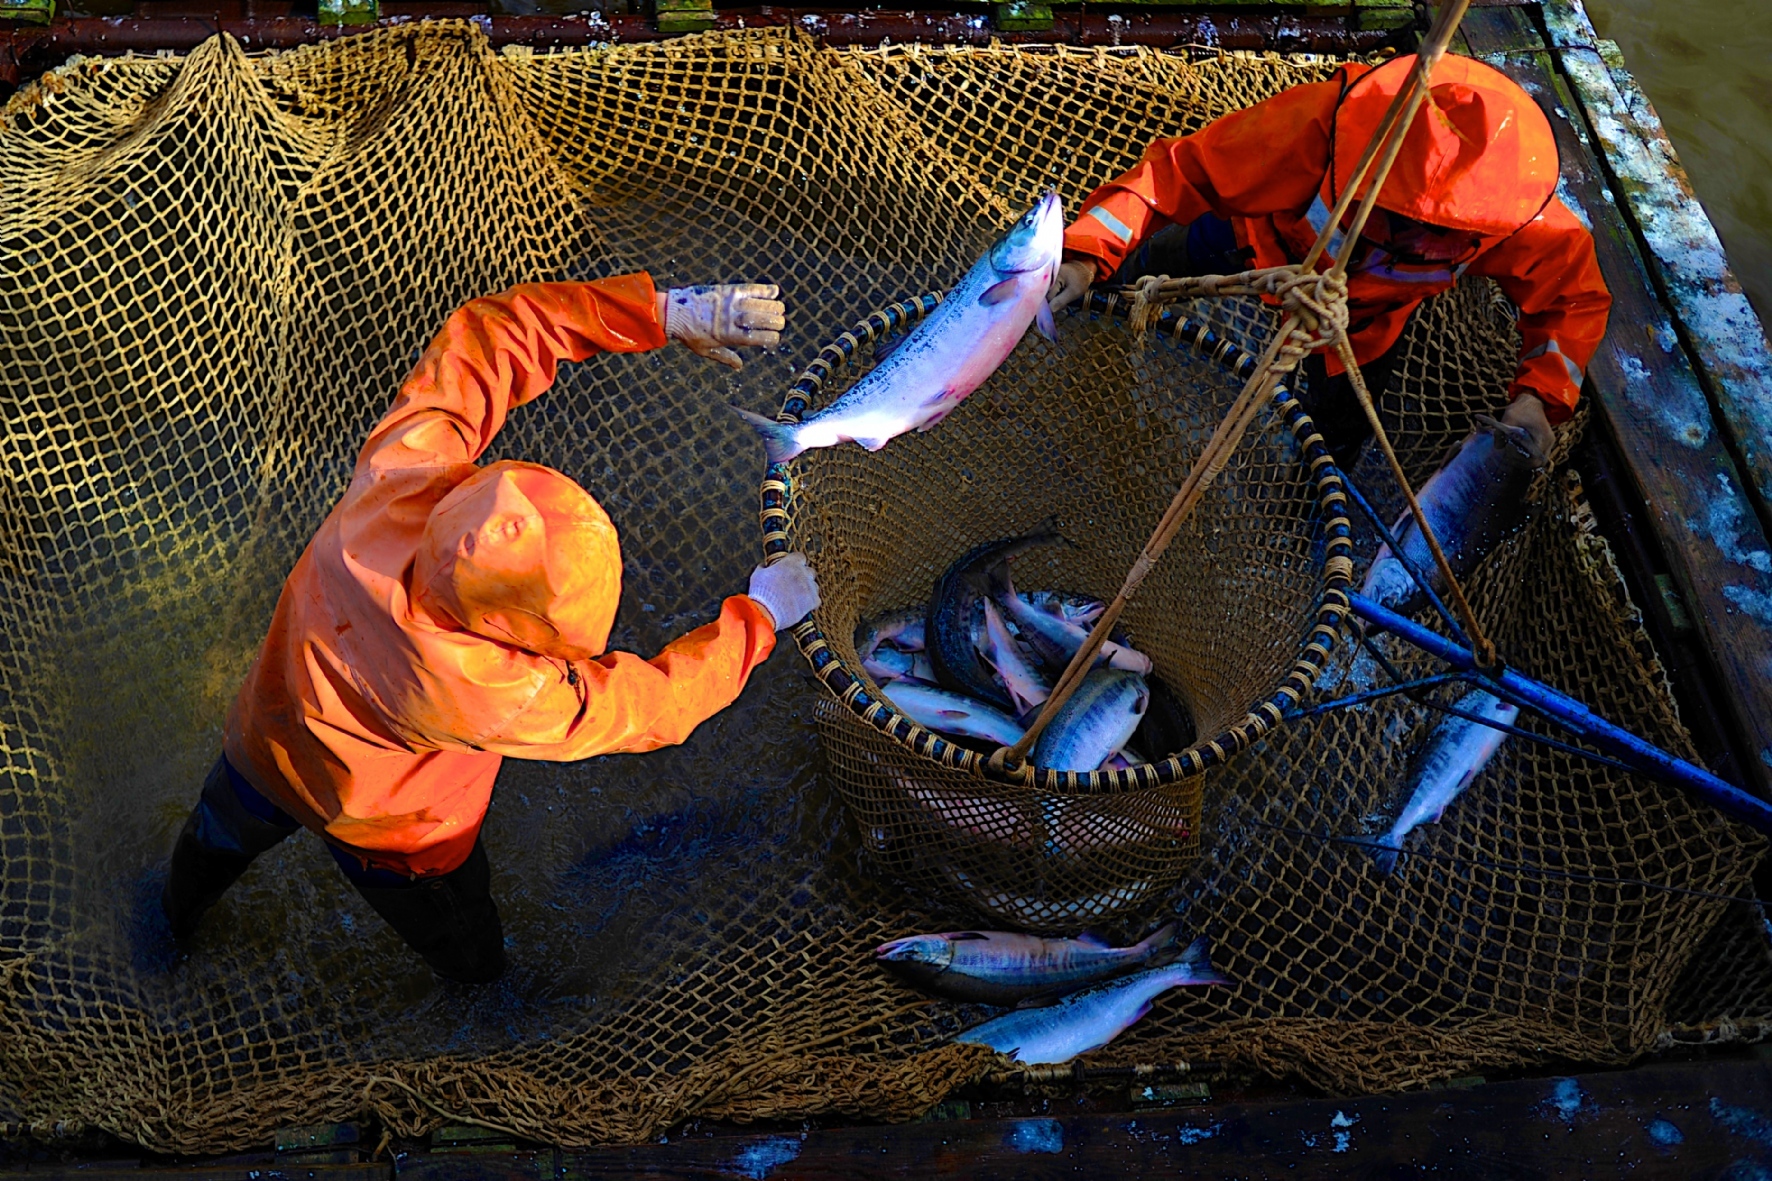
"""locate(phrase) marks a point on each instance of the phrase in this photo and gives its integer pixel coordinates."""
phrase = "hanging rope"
(1313, 315)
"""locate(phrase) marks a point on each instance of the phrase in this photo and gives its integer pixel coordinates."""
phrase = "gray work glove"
(1070, 282)
(714, 320)
(787, 590)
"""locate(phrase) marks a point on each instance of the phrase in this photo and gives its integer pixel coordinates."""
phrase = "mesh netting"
(220, 268)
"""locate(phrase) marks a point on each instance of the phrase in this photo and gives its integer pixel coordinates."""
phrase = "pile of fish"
(979, 659)
(1071, 995)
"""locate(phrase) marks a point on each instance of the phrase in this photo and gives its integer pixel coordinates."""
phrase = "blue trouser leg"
(450, 919)
(230, 826)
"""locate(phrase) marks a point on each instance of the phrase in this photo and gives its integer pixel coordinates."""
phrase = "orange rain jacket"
(1479, 157)
(377, 719)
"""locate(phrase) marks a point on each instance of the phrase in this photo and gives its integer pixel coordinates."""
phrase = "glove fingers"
(766, 314)
(742, 292)
(723, 355)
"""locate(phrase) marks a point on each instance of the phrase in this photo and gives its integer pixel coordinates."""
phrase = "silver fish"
(1075, 608)
(999, 968)
(1090, 1019)
(955, 621)
(1054, 638)
(935, 708)
(1097, 721)
(890, 664)
(949, 354)
(1473, 502)
(1456, 754)
(902, 629)
(1027, 688)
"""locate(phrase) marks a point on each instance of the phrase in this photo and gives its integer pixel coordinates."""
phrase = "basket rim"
(850, 688)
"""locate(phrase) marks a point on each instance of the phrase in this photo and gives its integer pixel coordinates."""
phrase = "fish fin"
(1386, 854)
(874, 444)
(965, 936)
(951, 713)
(996, 293)
(1210, 976)
(780, 441)
(889, 345)
(1043, 321)
(1162, 945)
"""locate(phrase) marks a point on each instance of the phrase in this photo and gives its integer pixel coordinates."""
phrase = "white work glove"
(1070, 282)
(787, 590)
(739, 315)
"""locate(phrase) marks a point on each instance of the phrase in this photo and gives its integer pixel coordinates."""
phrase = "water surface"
(1707, 67)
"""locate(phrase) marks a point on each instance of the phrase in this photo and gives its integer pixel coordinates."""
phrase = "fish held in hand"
(1096, 722)
(945, 712)
(948, 624)
(1000, 968)
(1473, 502)
(1090, 1019)
(948, 355)
(1054, 638)
(1456, 754)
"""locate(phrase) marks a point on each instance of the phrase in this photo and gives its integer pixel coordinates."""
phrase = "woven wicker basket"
(1094, 431)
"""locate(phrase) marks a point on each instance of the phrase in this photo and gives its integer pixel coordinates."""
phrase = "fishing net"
(219, 268)
(1237, 620)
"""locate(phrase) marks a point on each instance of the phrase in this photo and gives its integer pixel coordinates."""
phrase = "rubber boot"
(450, 919)
(219, 840)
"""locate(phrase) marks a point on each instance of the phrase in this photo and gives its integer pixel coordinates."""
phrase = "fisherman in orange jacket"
(1473, 192)
(447, 615)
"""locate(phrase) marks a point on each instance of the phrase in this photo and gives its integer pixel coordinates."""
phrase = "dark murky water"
(1707, 67)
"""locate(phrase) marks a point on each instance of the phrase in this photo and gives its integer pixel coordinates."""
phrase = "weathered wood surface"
(1645, 384)
(1690, 1122)
(1685, 255)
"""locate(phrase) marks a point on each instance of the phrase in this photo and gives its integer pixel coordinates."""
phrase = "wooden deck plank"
(1689, 1121)
(1646, 385)
(1685, 256)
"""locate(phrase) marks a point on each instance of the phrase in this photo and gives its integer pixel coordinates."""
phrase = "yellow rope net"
(218, 269)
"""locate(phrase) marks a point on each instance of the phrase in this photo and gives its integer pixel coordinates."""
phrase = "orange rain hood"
(520, 554)
(1479, 156)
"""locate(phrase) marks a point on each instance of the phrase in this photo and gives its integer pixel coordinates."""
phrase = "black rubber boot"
(219, 840)
(450, 920)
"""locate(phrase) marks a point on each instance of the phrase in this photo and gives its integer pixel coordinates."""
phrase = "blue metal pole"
(1644, 757)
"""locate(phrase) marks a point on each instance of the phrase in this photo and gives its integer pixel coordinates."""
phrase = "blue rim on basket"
(852, 690)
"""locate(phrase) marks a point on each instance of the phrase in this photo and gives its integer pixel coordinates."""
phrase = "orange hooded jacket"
(1479, 157)
(446, 615)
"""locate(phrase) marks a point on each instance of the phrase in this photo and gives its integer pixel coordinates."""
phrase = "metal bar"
(1375, 694)
(1643, 757)
(1407, 563)
(25, 52)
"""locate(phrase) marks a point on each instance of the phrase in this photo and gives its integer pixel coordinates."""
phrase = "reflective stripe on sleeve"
(1551, 347)
(1115, 226)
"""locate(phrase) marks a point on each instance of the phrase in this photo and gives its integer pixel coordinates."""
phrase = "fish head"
(931, 953)
(1035, 242)
(1514, 444)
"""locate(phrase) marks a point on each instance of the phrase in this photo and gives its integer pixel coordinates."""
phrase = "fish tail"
(1197, 959)
(1385, 850)
(781, 441)
(1162, 945)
